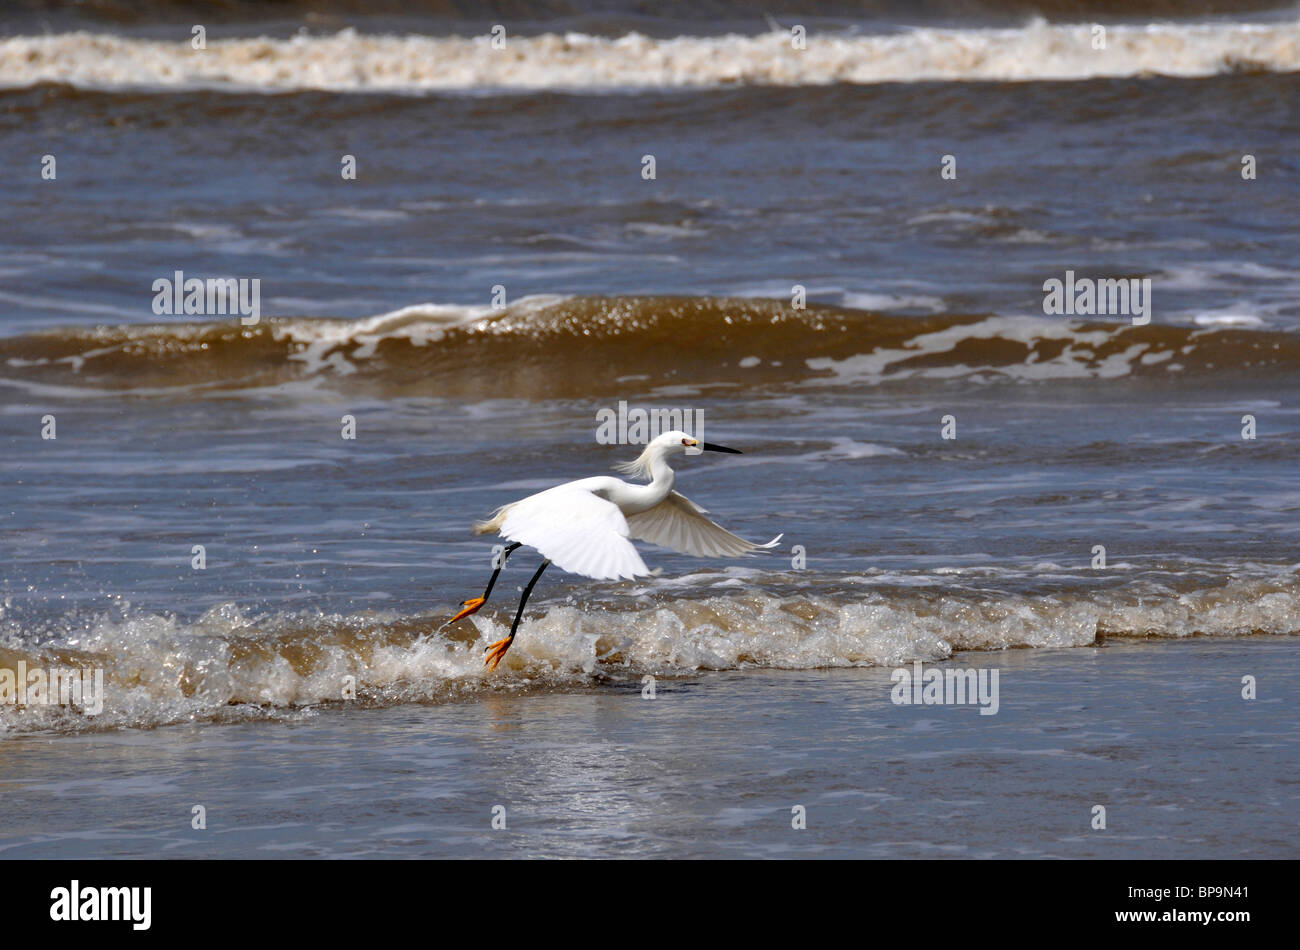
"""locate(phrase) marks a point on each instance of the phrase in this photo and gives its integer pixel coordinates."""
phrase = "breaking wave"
(226, 666)
(545, 347)
(349, 61)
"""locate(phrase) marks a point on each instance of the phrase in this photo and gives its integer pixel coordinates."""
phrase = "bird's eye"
(684, 442)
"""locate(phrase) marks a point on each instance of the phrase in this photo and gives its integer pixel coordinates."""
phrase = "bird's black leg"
(474, 603)
(524, 599)
(498, 649)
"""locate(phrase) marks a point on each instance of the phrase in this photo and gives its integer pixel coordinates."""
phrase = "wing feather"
(679, 523)
(578, 531)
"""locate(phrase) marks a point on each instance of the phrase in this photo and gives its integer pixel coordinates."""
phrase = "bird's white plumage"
(584, 527)
(577, 530)
(679, 523)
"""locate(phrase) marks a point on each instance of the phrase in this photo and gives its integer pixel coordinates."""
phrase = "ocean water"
(1154, 733)
(1103, 512)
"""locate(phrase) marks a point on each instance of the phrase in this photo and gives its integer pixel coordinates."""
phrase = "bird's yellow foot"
(471, 606)
(496, 651)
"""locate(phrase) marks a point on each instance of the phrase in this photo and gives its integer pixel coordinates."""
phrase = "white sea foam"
(885, 303)
(354, 62)
(226, 665)
(317, 341)
(1076, 360)
(1228, 320)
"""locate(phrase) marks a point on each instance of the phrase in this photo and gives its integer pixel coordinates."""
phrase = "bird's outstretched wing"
(679, 523)
(578, 531)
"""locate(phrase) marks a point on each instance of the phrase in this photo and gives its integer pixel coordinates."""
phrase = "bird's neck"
(662, 477)
(633, 499)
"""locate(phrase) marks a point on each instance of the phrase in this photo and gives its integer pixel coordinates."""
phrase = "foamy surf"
(354, 62)
(227, 666)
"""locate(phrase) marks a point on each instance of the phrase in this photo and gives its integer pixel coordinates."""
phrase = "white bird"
(584, 527)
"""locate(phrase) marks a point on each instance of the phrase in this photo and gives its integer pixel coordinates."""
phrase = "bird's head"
(677, 442)
(666, 445)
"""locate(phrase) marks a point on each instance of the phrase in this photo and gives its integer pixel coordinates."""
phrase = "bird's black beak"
(714, 447)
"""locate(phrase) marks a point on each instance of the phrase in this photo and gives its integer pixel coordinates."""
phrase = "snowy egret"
(584, 527)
